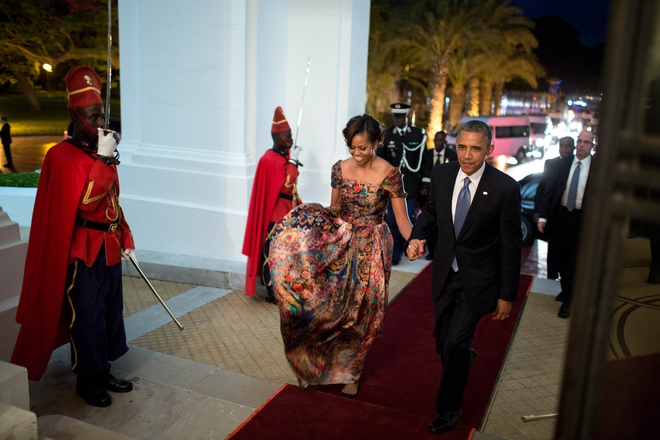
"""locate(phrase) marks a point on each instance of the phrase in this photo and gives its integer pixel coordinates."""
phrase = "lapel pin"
(485, 193)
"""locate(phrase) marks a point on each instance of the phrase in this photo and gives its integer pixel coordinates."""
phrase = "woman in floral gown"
(331, 266)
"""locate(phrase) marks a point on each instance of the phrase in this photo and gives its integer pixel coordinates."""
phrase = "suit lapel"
(445, 191)
(479, 201)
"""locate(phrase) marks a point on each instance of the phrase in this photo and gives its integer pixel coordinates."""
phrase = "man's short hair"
(475, 126)
(569, 139)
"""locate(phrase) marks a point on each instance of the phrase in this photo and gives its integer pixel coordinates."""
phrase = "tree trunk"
(473, 93)
(486, 98)
(497, 97)
(438, 89)
(456, 104)
(25, 86)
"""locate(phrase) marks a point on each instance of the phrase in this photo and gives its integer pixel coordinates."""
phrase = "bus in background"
(511, 135)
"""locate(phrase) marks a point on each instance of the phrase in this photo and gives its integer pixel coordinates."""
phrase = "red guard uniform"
(76, 192)
(274, 194)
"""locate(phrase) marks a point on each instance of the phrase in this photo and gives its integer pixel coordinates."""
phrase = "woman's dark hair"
(363, 124)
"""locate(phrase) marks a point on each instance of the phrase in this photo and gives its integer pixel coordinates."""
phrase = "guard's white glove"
(128, 253)
(294, 152)
(107, 144)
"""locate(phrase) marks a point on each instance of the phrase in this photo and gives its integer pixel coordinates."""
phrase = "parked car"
(528, 186)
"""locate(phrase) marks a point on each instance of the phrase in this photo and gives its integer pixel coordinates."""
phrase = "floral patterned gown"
(330, 269)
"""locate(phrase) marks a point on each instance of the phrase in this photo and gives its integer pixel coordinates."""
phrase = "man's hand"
(294, 152)
(415, 249)
(128, 253)
(503, 310)
(541, 226)
(107, 144)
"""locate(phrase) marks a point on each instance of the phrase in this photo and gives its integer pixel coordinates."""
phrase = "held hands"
(415, 249)
(107, 144)
(128, 253)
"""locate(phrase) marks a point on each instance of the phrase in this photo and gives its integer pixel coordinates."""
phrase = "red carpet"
(294, 414)
(399, 384)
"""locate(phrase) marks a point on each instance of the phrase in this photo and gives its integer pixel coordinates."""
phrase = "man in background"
(403, 147)
(5, 135)
(566, 148)
(561, 212)
(274, 194)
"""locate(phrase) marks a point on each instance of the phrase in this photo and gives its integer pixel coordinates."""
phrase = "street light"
(49, 69)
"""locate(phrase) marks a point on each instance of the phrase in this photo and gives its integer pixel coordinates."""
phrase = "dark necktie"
(462, 207)
(437, 158)
(573, 188)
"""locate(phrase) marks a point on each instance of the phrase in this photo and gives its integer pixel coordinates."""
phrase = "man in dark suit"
(476, 266)
(561, 209)
(5, 135)
(403, 147)
(437, 156)
(566, 148)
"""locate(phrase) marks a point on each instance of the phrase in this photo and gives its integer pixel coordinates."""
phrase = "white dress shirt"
(582, 183)
(458, 185)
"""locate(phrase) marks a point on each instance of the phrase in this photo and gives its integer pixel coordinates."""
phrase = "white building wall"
(199, 83)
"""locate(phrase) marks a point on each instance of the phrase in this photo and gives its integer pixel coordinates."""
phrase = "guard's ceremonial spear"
(295, 139)
(153, 290)
(109, 67)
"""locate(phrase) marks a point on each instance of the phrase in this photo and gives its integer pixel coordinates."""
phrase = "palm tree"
(504, 67)
(441, 27)
(510, 56)
(384, 66)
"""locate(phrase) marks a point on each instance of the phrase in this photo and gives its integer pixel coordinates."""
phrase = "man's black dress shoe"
(111, 383)
(446, 422)
(396, 261)
(473, 355)
(561, 297)
(93, 393)
(564, 310)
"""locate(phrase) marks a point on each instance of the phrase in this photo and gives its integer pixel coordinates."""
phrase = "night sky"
(590, 17)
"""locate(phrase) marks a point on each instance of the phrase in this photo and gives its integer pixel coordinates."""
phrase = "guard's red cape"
(43, 326)
(268, 180)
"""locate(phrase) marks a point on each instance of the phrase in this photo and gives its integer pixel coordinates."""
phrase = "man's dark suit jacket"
(548, 175)
(554, 189)
(488, 249)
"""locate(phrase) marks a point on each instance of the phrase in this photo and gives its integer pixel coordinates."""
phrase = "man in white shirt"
(561, 212)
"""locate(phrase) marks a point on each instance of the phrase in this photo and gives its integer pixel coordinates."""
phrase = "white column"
(199, 83)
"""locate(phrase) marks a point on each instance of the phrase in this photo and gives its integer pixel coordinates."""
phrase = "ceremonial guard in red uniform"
(274, 194)
(72, 288)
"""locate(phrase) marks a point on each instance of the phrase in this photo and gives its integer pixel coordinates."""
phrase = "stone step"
(17, 423)
(57, 427)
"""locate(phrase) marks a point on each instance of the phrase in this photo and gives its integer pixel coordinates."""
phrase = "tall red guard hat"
(280, 124)
(83, 86)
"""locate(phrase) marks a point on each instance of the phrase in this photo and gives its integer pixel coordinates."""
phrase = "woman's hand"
(415, 249)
